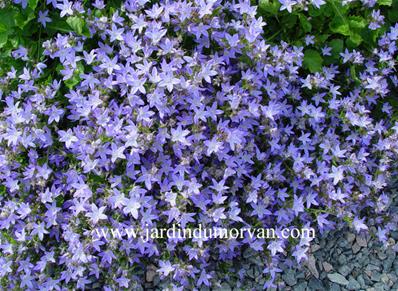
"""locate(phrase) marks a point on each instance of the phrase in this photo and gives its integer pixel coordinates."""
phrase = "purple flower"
(43, 18)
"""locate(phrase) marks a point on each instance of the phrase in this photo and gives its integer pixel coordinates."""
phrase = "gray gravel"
(339, 260)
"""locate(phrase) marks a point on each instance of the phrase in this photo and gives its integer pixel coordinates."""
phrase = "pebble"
(361, 241)
(312, 266)
(289, 277)
(335, 287)
(223, 287)
(316, 285)
(345, 270)
(150, 273)
(353, 284)
(350, 237)
(342, 260)
(361, 281)
(338, 278)
(355, 248)
(315, 247)
(327, 267)
(300, 287)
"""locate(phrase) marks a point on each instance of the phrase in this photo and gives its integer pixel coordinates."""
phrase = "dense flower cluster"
(180, 112)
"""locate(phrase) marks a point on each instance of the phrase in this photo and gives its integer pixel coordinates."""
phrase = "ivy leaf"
(357, 22)
(354, 40)
(312, 60)
(338, 25)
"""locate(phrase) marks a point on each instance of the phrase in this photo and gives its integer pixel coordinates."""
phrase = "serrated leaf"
(354, 40)
(357, 22)
(338, 25)
(312, 60)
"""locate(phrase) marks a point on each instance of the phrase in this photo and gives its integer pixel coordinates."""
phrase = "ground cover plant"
(221, 113)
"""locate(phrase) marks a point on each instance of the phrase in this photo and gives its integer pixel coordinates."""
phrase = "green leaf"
(384, 2)
(7, 16)
(322, 38)
(312, 60)
(3, 39)
(22, 19)
(75, 79)
(269, 6)
(33, 4)
(354, 40)
(339, 25)
(305, 24)
(357, 22)
(76, 23)
(337, 46)
(59, 26)
(3, 28)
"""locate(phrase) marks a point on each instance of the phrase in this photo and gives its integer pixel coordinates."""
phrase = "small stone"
(345, 270)
(327, 267)
(315, 247)
(224, 287)
(355, 248)
(353, 284)
(96, 286)
(384, 278)
(372, 267)
(382, 255)
(316, 284)
(361, 281)
(380, 286)
(247, 253)
(392, 277)
(250, 273)
(342, 260)
(312, 266)
(361, 241)
(300, 287)
(335, 287)
(289, 277)
(300, 275)
(338, 278)
(350, 237)
(150, 273)
(387, 264)
(375, 276)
